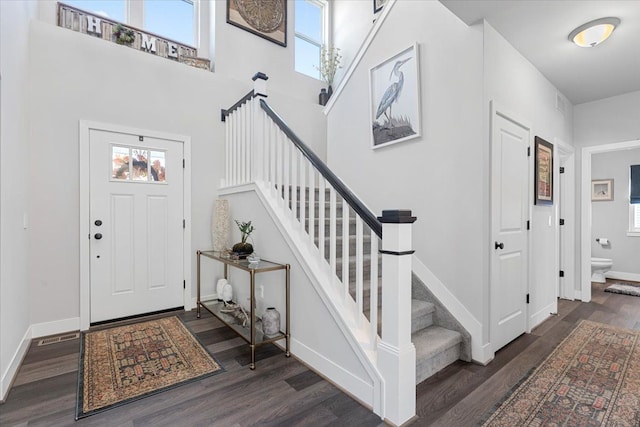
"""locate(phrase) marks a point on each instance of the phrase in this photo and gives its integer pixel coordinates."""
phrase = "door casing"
(84, 176)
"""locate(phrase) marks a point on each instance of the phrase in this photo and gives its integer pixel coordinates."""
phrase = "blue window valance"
(634, 188)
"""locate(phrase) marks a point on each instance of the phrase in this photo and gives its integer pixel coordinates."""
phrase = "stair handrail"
(225, 113)
(356, 204)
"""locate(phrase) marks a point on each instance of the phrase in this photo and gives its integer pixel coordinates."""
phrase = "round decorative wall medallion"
(263, 15)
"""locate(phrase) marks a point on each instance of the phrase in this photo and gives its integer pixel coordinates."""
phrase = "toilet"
(599, 266)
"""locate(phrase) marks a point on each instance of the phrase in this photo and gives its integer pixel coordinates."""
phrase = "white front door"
(509, 215)
(136, 229)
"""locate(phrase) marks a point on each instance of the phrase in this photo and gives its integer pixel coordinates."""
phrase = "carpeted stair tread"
(421, 314)
(436, 347)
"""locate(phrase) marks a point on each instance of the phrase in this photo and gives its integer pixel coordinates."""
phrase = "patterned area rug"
(591, 379)
(125, 363)
(624, 288)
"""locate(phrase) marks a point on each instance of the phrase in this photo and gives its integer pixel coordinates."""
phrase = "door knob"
(98, 223)
(98, 236)
(499, 245)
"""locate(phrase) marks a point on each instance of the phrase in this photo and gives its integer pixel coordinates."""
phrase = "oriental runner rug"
(591, 379)
(125, 363)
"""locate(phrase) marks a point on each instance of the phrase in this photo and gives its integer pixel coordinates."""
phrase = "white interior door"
(509, 215)
(136, 215)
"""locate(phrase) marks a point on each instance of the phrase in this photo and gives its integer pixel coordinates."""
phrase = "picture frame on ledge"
(394, 98)
(268, 21)
(601, 190)
(543, 172)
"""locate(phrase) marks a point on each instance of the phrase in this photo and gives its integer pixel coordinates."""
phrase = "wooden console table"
(251, 333)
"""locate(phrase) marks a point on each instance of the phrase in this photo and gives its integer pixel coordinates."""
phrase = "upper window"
(309, 25)
(170, 18)
(112, 9)
(173, 19)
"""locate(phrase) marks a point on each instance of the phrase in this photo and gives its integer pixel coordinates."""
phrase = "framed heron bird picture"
(394, 95)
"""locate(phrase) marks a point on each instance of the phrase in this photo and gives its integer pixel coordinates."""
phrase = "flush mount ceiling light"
(595, 32)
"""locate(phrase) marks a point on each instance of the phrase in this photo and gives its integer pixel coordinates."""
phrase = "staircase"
(384, 315)
(436, 346)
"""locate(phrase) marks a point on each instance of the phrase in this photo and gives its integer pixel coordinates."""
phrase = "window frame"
(324, 36)
(134, 15)
(634, 212)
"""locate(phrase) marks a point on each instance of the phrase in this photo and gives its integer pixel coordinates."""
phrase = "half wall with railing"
(361, 263)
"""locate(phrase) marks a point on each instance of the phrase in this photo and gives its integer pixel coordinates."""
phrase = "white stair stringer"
(325, 282)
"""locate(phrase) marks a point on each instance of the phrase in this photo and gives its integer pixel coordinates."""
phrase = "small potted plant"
(244, 248)
(124, 35)
(329, 63)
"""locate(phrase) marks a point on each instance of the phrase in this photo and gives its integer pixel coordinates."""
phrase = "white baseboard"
(56, 327)
(542, 315)
(9, 374)
(621, 275)
(194, 300)
(359, 388)
(485, 354)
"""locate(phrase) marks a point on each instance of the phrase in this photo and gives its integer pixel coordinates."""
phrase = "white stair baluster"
(273, 137)
(243, 140)
(294, 183)
(312, 203)
(321, 212)
(279, 157)
(345, 249)
(359, 269)
(286, 168)
(332, 231)
(303, 190)
(373, 309)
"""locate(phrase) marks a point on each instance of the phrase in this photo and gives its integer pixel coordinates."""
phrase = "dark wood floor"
(283, 392)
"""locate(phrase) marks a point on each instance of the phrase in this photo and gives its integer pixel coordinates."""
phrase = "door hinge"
(527, 298)
(528, 151)
(183, 163)
(561, 273)
(184, 284)
(561, 221)
(184, 223)
(140, 138)
(528, 225)
(561, 169)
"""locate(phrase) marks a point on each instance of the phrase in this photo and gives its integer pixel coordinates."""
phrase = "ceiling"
(539, 30)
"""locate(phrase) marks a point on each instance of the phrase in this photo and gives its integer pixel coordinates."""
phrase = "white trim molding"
(621, 275)
(542, 315)
(9, 375)
(55, 327)
(361, 52)
(585, 194)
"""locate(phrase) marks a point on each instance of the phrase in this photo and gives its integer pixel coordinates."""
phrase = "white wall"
(74, 77)
(606, 121)
(316, 337)
(14, 178)
(610, 219)
(352, 20)
(437, 176)
(519, 87)
(240, 54)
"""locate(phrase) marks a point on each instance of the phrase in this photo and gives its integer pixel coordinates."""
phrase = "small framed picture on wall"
(601, 190)
(544, 172)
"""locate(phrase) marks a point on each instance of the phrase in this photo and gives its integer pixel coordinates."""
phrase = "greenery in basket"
(244, 247)
(329, 63)
(123, 34)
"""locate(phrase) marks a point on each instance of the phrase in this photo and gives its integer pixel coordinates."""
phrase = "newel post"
(258, 128)
(396, 353)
